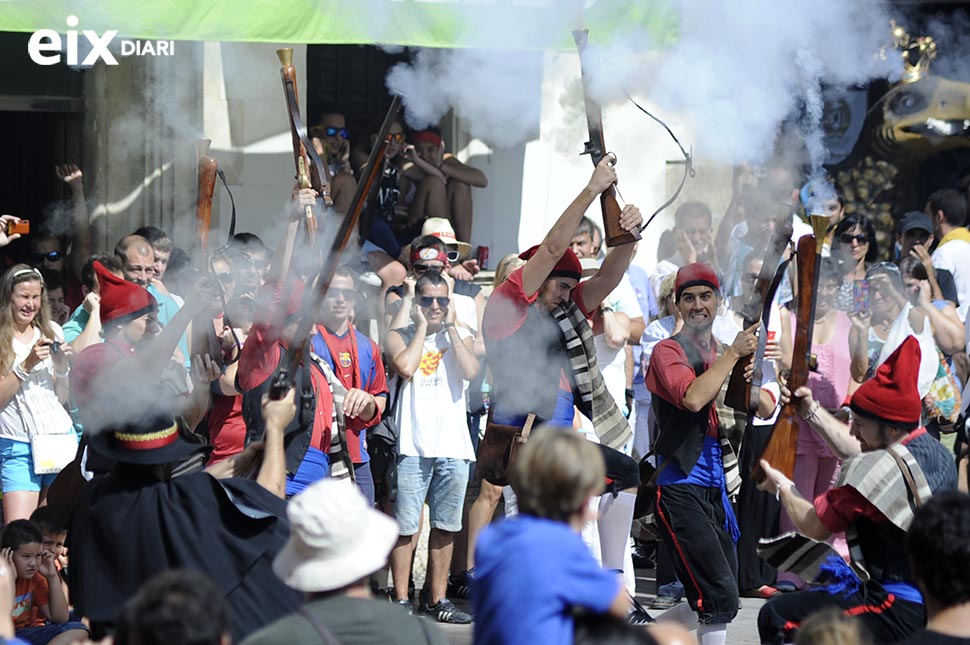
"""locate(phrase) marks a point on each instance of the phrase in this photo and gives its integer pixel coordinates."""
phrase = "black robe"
(129, 526)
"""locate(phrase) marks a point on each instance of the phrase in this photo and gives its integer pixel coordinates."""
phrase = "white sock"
(712, 634)
(629, 573)
(615, 520)
(590, 532)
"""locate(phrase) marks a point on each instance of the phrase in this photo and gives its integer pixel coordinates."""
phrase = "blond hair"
(555, 473)
(506, 266)
(18, 274)
(831, 627)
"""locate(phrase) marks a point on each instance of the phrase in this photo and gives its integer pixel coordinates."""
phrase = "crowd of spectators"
(142, 423)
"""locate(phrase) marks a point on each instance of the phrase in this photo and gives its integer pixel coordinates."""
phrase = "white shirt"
(431, 407)
(954, 256)
(35, 405)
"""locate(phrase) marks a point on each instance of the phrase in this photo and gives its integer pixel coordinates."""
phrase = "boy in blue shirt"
(534, 569)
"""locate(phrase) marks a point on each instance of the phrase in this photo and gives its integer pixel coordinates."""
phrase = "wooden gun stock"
(310, 172)
(741, 394)
(614, 233)
(203, 200)
(780, 449)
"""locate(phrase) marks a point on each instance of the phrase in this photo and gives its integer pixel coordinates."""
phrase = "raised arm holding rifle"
(277, 353)
(307, 438)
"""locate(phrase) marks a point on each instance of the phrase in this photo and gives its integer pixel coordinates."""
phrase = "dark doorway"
(350, 78)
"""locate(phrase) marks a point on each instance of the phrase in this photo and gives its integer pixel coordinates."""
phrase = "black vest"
(682, 432)
(297, 435)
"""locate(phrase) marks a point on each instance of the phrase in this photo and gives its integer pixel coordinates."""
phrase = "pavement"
(743, 631)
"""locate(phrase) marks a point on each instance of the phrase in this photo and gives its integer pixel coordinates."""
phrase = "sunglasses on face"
(330, 131)
(427, 301)
(424, 268)
(453, 256)
(50, 256)
(347, 294)
(847, 238)
(397, 137)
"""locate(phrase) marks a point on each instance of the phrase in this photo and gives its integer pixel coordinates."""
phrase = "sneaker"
(407, 606)
(639, 615)
(643, 558)
(444, 611)
(664, 603)
(460, 585)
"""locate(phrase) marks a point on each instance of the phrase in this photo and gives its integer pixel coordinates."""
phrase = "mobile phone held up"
(860, 297)
(22, 227)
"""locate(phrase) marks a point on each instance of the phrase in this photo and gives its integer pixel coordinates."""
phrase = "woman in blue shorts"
(34, 367)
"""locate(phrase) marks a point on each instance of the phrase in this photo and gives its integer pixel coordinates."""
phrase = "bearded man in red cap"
(541, 351)
(697, 525)
(891, 467)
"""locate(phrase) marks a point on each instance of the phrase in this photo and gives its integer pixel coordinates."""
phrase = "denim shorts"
(44, 633)
(440, 480)
(17, 468)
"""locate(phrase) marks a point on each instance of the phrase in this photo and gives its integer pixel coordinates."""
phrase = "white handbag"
(49, 452)
(52, 452)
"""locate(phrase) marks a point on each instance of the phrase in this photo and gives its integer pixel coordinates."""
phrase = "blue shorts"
(439, 480)
(45, 633)
(17, 468)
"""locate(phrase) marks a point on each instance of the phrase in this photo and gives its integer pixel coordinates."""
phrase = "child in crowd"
(55, 537)
(534, 569)
(40, 612)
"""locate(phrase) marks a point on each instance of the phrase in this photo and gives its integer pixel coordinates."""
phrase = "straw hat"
(442, 229)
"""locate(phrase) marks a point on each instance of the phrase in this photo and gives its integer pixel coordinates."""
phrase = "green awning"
(532, 24)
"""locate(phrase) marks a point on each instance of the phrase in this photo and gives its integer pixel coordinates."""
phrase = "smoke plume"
(735, 72)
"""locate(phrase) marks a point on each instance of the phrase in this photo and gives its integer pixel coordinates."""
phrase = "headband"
(426, 136)
(429, 254)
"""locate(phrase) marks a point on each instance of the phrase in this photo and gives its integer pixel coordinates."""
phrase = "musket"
(208, 167)
(596, 149)
(203, 338)
(743, 395)
(783, 442)
(310, 171)
(284, 376)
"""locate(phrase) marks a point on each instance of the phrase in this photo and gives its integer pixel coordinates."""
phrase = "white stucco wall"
(245, 116)
(529, 184)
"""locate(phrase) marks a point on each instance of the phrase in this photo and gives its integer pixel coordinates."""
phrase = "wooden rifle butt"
(208, 168)
(738, 395)
(615, 234)
(780, 450)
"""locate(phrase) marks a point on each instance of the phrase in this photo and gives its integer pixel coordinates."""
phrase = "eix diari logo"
(43, 41)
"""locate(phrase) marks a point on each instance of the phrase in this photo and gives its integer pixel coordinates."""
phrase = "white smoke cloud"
(735, 73)
(495, 92)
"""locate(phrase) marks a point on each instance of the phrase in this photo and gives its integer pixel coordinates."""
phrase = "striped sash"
(594, 401)
(883, 477)
(340, 465)
(730, 428)
(796, 553)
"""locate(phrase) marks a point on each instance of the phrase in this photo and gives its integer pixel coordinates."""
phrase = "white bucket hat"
(336, 538)
(442, 229)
